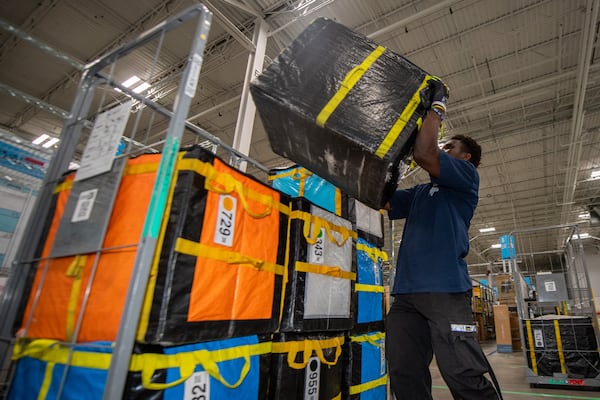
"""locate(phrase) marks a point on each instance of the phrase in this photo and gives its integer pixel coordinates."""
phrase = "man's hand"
(439, 96)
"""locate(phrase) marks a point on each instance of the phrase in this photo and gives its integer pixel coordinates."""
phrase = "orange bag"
(62, 282)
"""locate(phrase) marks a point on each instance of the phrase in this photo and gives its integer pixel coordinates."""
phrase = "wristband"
(439, 112)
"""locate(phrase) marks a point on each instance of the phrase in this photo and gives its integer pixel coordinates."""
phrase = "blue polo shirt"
(436, 239)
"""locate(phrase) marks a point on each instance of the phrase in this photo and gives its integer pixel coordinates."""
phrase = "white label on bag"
(382, 349)
(538, 337)
(84, 206)
(312, 377)
(197, 387)
(225, 224)
(376, 272)
(550, 286)
(316, 251)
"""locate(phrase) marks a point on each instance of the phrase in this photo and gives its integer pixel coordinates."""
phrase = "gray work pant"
(423, 324)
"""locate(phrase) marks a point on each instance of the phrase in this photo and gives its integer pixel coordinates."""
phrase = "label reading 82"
(225, 223)
(197, 387)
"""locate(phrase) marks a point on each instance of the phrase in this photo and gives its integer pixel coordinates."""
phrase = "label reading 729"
(225, 223)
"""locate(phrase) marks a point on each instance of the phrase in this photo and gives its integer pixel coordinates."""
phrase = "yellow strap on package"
(52, 352)
(363, 387)
(363, 287)
(351, 78)
(328, 270)
(398, 127)
(74, 271)
(531, 346)
(372, 252)
(372, 339)
(313, 225)
(191, 248)
(306, 348)
(129, 170)
(224, 183)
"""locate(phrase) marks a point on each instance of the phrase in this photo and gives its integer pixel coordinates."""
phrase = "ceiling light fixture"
(486, 230)
(585, 215)
(584, 235)
(596, 174)
(141, 88)
(42, 138)
(50, 143)
(131, 81)
(496, 246)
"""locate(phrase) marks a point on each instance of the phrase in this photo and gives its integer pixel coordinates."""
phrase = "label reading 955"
(312, 377)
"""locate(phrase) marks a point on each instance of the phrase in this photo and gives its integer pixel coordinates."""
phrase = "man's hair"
(470, 146)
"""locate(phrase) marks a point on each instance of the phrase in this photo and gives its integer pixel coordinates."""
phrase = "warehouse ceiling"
(524, 78)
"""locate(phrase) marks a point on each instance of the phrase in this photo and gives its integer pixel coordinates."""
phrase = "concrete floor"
(510, 372)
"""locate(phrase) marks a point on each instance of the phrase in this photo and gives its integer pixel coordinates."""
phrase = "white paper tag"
(312, 378)
(377, 274)
(103, 142)
(316, 251)
(383, 364)
(538, 337)
(197, 387)
(225, 223)
(550, 286)
(85, 204)
(192, 82)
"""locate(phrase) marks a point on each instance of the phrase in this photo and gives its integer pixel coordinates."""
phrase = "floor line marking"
(555, 396)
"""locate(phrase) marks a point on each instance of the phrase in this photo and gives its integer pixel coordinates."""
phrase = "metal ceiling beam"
(230, 27)
(583, 69)
(415, 17)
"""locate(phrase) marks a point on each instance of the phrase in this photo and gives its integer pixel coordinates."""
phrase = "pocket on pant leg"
(467, 350)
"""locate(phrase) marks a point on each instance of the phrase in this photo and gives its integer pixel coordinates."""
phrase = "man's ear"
(466, 156)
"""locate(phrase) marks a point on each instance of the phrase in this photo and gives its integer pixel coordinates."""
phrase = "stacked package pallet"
(212, 303)
(253, 293)
(334, 298)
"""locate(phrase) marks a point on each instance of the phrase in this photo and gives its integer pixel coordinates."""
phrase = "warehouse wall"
(592, 262)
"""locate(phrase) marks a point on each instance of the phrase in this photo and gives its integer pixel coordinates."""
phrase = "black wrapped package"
(306, 367)
(562, 345)
(322, 271)
(344, 107)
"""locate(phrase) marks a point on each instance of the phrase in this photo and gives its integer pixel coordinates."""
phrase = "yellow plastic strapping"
(531, 347)
(75, 271)
(129, 170)
(407, 113)
(363, 387)
(51, 351)
(351, 78)
(313, 225)
(559, 346)
(374, 253)
(224, 183)
(363, 287)
(191, 248)
(372, 339)
(333, 271)
(306, 347)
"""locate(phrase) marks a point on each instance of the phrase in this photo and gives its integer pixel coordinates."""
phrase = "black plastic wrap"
(169, 320)
(343, 147)
(334, 294)
(306, 376)
(578, 343)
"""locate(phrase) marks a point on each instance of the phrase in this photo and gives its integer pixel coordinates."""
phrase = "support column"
(247, 111)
